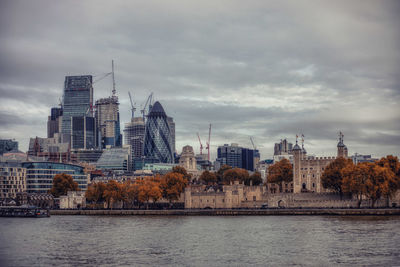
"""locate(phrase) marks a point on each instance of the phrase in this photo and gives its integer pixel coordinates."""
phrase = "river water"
(200, 241)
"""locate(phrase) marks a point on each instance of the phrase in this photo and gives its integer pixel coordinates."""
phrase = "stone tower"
(341, 147)
(297, 156)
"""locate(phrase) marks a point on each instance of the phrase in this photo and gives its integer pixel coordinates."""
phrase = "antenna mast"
(113, 77)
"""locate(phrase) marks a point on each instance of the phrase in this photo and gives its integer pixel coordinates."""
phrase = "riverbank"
(233, 212)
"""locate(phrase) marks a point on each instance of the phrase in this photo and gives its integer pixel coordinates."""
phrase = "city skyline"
(267, 71)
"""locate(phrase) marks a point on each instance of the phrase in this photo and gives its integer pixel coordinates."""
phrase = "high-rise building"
(7, 145)
(238, 157)
(171, 124)
(134, 136)
(54, 122)
(83, 133)
(107, 117)
(77, 102)
(283, 148)
(158, 140)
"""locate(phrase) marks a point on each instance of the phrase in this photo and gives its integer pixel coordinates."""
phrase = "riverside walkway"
(233, 212)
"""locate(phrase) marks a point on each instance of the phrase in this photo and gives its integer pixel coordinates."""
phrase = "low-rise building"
(73, 200)
(12, 179)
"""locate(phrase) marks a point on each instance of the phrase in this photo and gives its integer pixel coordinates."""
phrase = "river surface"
(200, 241)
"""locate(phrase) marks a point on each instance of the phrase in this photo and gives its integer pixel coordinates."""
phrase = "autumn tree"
(280, 172)
(148, 188)
(221, 171)
(392, 163)
(354, 179)
(172, 185)
(113, 193)
(236, 174)
(95, 192)
(181, 170)
(332, 177)
(254, 179)
(208, 177)
(62, 183)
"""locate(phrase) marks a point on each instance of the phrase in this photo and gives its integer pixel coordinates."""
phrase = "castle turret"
(297, 156)
(342, 149)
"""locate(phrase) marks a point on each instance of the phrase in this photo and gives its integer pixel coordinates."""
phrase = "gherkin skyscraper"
(158, 139)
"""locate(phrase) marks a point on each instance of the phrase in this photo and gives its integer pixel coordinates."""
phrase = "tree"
(181, 170)
(95, 192)
(208, 177)
(392, 163)
(148, 188)
(113, 193)
(332, 177)
(235, 174)
(62, 183)
(354, 179)
(221, 171)
(255, 179)
(281, 171)
(172, 185)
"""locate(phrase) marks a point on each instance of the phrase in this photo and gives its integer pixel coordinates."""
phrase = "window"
(254, 198)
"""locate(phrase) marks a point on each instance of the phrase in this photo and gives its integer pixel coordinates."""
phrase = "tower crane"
(148, 102)
(252, 142)
(132, 106)
(208, 142)
(201, 145)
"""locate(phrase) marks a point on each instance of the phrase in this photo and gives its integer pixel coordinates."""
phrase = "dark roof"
(296, 147)
(157, 110)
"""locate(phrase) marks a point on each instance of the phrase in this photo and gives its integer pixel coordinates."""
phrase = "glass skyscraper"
(78, 101)
(158, 139)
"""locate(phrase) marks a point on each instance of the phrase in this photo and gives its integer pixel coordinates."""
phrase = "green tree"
(280, 172)
(332, 177)
(208, 177)
(62, 183)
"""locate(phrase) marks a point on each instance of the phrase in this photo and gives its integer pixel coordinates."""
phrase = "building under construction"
(108, 122)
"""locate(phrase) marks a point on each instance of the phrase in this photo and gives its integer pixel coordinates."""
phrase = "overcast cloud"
(267, 69)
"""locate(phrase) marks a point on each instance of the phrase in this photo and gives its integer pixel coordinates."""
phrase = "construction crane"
(132, 106)
(148, 102)
(201, 145)
(252, 142)
(208, 142)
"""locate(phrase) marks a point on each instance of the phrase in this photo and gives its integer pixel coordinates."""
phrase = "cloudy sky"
(267, 69)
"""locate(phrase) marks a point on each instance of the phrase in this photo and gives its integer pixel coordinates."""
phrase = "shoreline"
(235, 212)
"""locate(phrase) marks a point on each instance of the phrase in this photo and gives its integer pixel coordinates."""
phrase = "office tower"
(238, 157)
(283, 148)
(77, 102)
(171, 124)
(54, 122)
(107, 118)
(157, 141)
(7, 145)
(83, 133)
(134, 136)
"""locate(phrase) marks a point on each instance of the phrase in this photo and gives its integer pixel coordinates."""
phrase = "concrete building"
(8, 145)
(188, 161)
(77, 102)
(238, 157)
(307, 170)
(50, 149)
(283, 148)
(12, 179)
(158, 139)
(358, 158)
(39, 175)
(73, 200)
(54, 122)
(108, 122)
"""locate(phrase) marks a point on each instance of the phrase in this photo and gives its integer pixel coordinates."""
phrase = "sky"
(262, 69)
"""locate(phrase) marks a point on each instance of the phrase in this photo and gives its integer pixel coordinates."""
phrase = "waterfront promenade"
(234, 212)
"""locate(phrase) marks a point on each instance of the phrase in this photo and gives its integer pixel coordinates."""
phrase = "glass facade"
(158, 140)
(114, 159)
(83, 132)
(78, 99)
(237, 157)
(39, 175)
